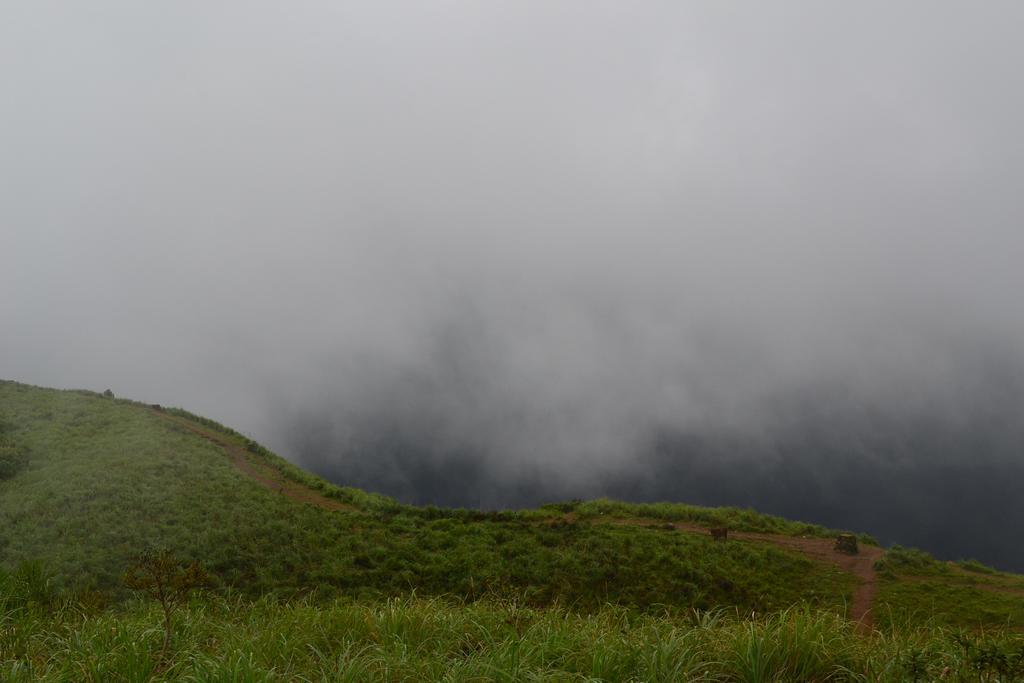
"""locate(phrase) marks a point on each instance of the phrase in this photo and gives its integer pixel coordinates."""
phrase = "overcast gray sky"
(529, 233)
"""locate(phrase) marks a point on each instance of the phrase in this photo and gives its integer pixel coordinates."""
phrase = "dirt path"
(817, 549)
(821, 550)
(263, 473)
(862, 566)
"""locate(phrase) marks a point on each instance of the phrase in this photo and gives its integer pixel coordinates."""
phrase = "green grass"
(733, 518)
(577, 591)
(914, 586)
(107, 478)
(948, 603)
(229, 638)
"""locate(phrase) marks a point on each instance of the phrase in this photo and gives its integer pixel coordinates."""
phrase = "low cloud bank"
(494, 255)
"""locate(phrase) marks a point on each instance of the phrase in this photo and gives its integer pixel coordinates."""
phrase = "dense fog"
(493, 255)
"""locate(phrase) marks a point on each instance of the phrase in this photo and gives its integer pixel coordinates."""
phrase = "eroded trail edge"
(263, 473)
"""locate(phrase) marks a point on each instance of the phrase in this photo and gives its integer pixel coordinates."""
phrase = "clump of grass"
(976, 567)
(29, 585)
(900, 560)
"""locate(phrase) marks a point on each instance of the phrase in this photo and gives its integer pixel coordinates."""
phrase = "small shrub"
(168, 581)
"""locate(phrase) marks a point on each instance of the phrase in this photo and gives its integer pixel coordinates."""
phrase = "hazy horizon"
(496, 254)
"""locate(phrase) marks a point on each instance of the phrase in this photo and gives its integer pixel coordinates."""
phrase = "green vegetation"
(12, 458)
(916, 586)
(733, 518)
(229, 638)
(305, 580)
(170, 583)
(110, 478)
(975, 566)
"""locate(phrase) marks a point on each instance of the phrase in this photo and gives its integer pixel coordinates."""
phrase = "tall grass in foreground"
(410, 639)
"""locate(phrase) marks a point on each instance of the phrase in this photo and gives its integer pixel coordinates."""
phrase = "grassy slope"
(101, 479)
(105, 479)
(916, 587)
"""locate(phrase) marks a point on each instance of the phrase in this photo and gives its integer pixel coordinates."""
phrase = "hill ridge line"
(819, 550)
(265, 475)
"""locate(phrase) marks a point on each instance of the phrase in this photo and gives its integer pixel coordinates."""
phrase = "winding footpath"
(821, 550)
(861, 565)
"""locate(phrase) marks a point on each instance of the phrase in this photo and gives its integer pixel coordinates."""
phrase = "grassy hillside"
(914, 586)
(104, 479)
(316, 582)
